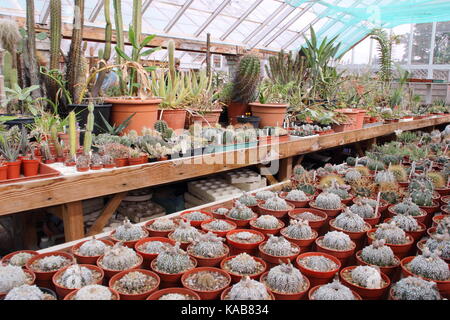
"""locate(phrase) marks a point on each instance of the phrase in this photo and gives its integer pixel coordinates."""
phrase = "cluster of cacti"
(119, 257)
(247, 79)
(276, 204)
(296, 195)
(173, 260)
(307, 188)
(391, 233)
(375, 165)
(93, 292)
(430, 265)
(350, 221)
(76, 277)
(163, 224)
(378, 254)
(407, 207)
(279, 246)
(407, 223)
(422, 197)
(367, 277)
(208, 245)
(385, 176)
(337, 240)
(266, 222)
(11, 277)
(248, 289)
(414, 288)
(298, 229)
(185, 232)
(153, 247)
(399, 173)
(244, 264)
(162, 127)
(240, 212)
(135, 282)
(221, 211)
(333, 291)
(50, 263)
(352, 175)
(318, 263)
(440, 242)
(443, 226)
(129, 232)
(27, 292)
(420, 182)
(265, 195)
(363, 209)
(20, 259)
(284, 278)
(328, 201)
(248, 200)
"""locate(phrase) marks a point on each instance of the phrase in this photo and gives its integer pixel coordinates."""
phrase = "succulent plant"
(385, 176)
(407, 207)
(208, 246)
(298, 229)
(119, 257)
(352, 175)
(350, 221)
(318, 263)
(407, 223)
(437, 178)
(248, 289)
(351, 161)
(439, 242)
(267, 222)
(308, 216)
(76, 277)
(206, 281)
(430, 265)
(414, 288)
(378, 254)
(375, 165)
(129, 232)
(11, 277)
(240, 212)
(422, 197)
(399, 173)
(328, 201)
(20, 259)
(337, 240)
(264, 195)
(93, 292)
(50, 263)
(219, 225)
(367, 277)
(420, 182)
(175, 296)
(221, 211)
(284, 278)
(248, 200)
(279, 247)
(173, 260)
(185, 232)
(307, 188)
(276, 204)
(26, 292)
(92, 248)
(391, 233)
(135, 282)
(244, 264)
(163, 224)
(363, 209)
(196, 216)
(333, 291)
(296, 195)
(443, 226)
(153, 247)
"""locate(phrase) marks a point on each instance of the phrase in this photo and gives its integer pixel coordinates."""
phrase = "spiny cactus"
(318, 263)
(308, 216)
(265, 195)
(93, 292)
(363, 209)
(248, 200)
(196, 216)
(385, 176)
(176, 296)
(27, 292)
(298, 229)
(350, 221)
(135, 282)
(244, 264)
(352, 175)
(443, 226)
(296, 195)
(430, 265)
(407, 207)
(279, 246)
(221, 211)
(407, 223)
(375, 165)
(414, 288)
(439, 242)
(284, 278)
(206, 281)
(337, 240)
(153, 247)
(422, 197)
(437, 178)
(208, 246)
(266, 222)
(378, 254)
(333, 291)
(420, 182)
(185, 232)
(173, 260)
(76, 277)
(218, 225)
(92, 248)
(328, 201)
(50, 263)
(20, 259)
(163, 224)
(119, 257)
(391, 233)
(11, 277)
(247, 79)
(307, 188)
(240, 212)
(162, 127)
(129, 232)
(367, 277)
(248, 289)
(399, 173)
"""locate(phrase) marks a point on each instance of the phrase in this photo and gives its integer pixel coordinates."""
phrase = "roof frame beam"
(96, 11)
(146, 5)
(45, 13)
(208, 21)
(178, 15)
(241, 19)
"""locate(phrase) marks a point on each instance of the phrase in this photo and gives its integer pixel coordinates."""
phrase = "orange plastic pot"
(236, 109)
(30, 167)
(139, 296)
(47, 276)
(314, 289)
(287, 296)
(390, 271)
(218, 233)
(122, 162)
(210, 118)
(109, 273)
(246, 247)
(241, 223)
(171, 279)
(208, 262)
(84, 259)
(13, 169)
(175, 119)
(5, 259)
(315, 225)
(416, 235)
(149, 257)
(342, 255)
(267, 232)
(3, 172)
(357, 237)
(400, 250)
(296, 204)
(275, 260)
(318, 277)
(63, 291)
(135, 161)
(304, 244)
(235, 277)
(145, 117)
(206, 295)
(183, 244)
(156, 233)
(158, 294)
(421, 218)
(373, 221)
(195, 223)
(129, 244)
(365, 293)
(227, 290)
(272, 115)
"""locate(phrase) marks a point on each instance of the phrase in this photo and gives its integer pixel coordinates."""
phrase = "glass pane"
(421, 43)
(442, 43)
(400, 48)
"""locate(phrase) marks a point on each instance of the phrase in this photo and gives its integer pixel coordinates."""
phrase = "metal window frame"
(96, 11)
(178, 15)
(241, 19)
(45, 13)
(208, 21)
(146, 5)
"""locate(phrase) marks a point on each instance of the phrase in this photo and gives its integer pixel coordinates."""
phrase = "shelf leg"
(72, 213)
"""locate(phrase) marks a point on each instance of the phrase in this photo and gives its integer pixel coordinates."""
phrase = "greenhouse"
(224, 150)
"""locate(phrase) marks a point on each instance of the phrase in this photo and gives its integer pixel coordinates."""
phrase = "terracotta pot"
(194, 223)
(171, 279)
(275, 213)
(3, 172)
(443, 191)
(365, 293)
(244, 247)
(237, 277)
(79, 169)
(218, 233)
(109, 273)
(63, 291)
(343, 255)
(443, 286)
(437, 219)
(431, 231)
(296, 204)
(5, 259)
(96, 167)
(31, 282)
(227, 290)
(304, 244)
(84, 259)
(115, 295)
(129, 244)
(139, 296)
(13, 169)
(390, 271)
(236, 109)
(287, 296)
(121, 162)
(373, 221)
(272, 115)
(431, 209)
(175, 119)
(109, 165)
(210, 118)
(158, 294)
(445, 199)
(155, 233)
(47, 276)
(241, 223)
(315, 225)
(267, 232)
(49, 161)
(208, 262)
(400, 250)
(149, 257)
(206, 295)
(30, 167)
(314, 289)
(391, 213)
(318, 277)
(275, 260)
(358, 238)
(146, 112)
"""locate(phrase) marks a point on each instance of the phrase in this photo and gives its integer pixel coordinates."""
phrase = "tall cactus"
(89, 128)
(29, 54)
(55, 45)
(73, 134)
(55, 140)
(137, 21)
(119, 37)
(247, 79)
(285, 68)
(171, 54)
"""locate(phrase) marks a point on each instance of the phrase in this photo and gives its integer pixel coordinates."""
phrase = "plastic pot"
(287, 296)
(342, 255)
(171, 279)
(304, 244)
(31, 282)
(314, 289)
(318, 277)
(241, 223)
(218, 233)
(421, 218)
(139, 296)
(158, 294)
(206, 295)
(149, 257)
(275, 260)
(196, 223)
(84, 259)
(237, 109)
(275, 213)
(30, 167)
(296, 204)
(358, 238)
(121, 162)
(416, 235)
(235, 277)
(109, 273)
(82, 113)
(315, 225)
(254, 121)
(175, 118)
(208, 262)
(5, 259)
(47, 276)
(183, 244)
(156, 233)
(129, 244)
(227, 290)
(390, 271)
(3, 172)
(267, 232)
(244, 247)
(365, 293)
(400, 250)
(135, 162)
(13, 169)
(63, 291)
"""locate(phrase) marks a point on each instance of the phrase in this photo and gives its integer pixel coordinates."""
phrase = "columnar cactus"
(119, 257)
(363, 209)
(284, 278)
(407, 207)
(333, 291)
(350, 221)
(298, 229)
(185, 232)
(378, 254)
(247, 79)
(76, 277)
(328, 201)
(240, 212)
(208, 246)
(11, 277)
(279, 246)
(94, 292)
(430, 265)
(266, 222)
(414, 288)
(248, 289)
(407, 223)
(391, 233)
(129, 232)
(367, 277)
(337, 240)
(173, 260)
(89, 129)
(73, 135)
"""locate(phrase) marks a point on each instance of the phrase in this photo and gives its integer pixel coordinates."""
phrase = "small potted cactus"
(108, 161)
(333, 291)
(243, 265)
(337, 244)
(267, 225)
(119, 258)
(250, 201)
(93, 292)
(365, 210)
(352, 224)
(207, 282)
(300, 233)
(208, 250)
(14, 276)
(439, 242)
(76, 276)
(298, 198)
(409, 208)
(195, 218)
(380, 255)
(244, 240)
(286, 282)
(174, 294)
(316, 218)
(278, 249)
(342, 191)
(219, 212)
(45, 265)
(424, 198)
(184, 234)
(410, 225)
(128, 233)
(367, 281)
(240, 214)
(160, 227)
(18, 258)
(135, 284)
(319, 267)
(149, 248)
(218, 226)
(329, 203)
(394, 236)
(414, 288)
(171, 264)
(88, 251)
(96, 162)
(247, 289)
(352, 175)
(30, 292)
(275, 206)
(264, 195)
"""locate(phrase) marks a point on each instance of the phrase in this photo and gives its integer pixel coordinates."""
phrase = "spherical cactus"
(240, 212)
(337, 240)
(350, 221)
(296, 195)
(443, 226)
(153, 247)
(440, 242)
(340, 191)
(378, 254)
(352, 175)
(328, 201)
(185, 232)
(367, 277)
(363, 209)
(266, 222)
(196, 216)
(422, 197)
(248, 200)
(318, 263)
(20, 259)
(244, 264)
(173, 260)
(406, 223)
(407, 207)
(385, 176)
(92, 248)
(248, 289)
(279, 246)
(414, 288)
(129, 232)
(163, 224)
(284, 278)
(76, 277)
(333, 291)
(94, 292)
(391, 233)
(119, 257)
(429, 265)
(208, 246)
(11, 277)
(265, 195)
(51, 263)
(298, 229)
(25, 292)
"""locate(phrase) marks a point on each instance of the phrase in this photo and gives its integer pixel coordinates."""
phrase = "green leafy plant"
(114, 129)
(22, 97)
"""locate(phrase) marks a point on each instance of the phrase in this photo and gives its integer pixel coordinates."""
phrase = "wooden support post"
(285, 169)
(371, 142)
(72, 213)
(106, 214)
(265, 172)
(300, 159)
(30, 240)
(359, 150)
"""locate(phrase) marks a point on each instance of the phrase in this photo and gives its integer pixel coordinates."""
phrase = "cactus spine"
(73, 134)
(89, 128)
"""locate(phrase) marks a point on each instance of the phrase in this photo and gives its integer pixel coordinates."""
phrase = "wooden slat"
(285, 169)
(73, 220)
(106, 214)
